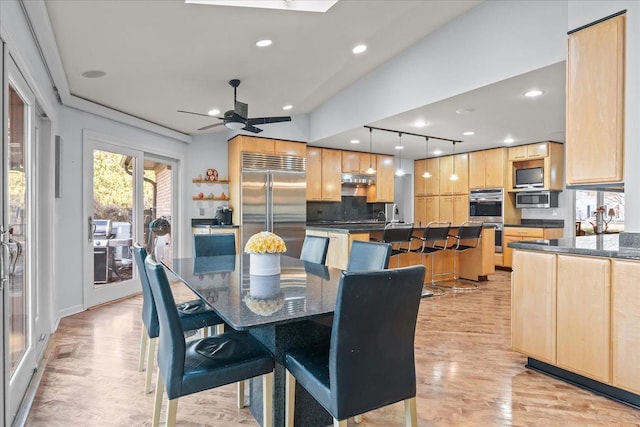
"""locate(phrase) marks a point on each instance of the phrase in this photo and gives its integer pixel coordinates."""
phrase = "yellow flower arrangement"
(265, 242)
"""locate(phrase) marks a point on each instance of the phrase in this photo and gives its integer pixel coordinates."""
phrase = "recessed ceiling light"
(359, 49)
(533, 93)
(437, 152)
(419, 123)
(94, 74)
(287, 107)
(399, 147)
(264, 43)
(469, 133)
(465, 110)
(213, 112)
(355, 141)
(509, 140)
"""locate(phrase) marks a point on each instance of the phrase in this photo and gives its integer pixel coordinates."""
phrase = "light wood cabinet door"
(367, 160)
(533, 305)
(350, 162)
(595, 103)
(477, 169)
(460, 209)
(314, 174)
(420, 211)
(432, 184)
(331, 175)
(518, 153)
(338, 251)
(290, 148)
(495, 167)
(461, 168)
(625, 325)
(447, 209)
(583, 316)
(537, 151)
(419, 182)
(384, 179)
(507, 252)
(446, 169)
(252, 144)
(432, 206)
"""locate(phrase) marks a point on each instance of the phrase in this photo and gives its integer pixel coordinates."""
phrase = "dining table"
(284, 311)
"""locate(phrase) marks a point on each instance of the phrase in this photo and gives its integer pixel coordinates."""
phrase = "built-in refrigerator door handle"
(5, 256)
(269, 218)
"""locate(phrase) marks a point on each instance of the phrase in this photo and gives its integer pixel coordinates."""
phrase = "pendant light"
(371, 170)
(426, 173)
(400, 171)
(454, 176)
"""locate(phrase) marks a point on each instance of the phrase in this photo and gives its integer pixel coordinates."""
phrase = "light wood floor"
(467, 376)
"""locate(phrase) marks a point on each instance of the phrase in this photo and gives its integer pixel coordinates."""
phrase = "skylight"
(294, 5)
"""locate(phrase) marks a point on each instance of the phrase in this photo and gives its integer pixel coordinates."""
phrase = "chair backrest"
(214, 244)
(371, 359)
(397, 234)
(369, 256)
(314, 249)
(172, 347)
(437, 232)
(149, 314)
(470, 230)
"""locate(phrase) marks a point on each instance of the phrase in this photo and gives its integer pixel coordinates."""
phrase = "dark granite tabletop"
(301, 291)
(602, 245)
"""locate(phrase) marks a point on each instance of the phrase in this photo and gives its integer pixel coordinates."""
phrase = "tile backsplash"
(349, 209)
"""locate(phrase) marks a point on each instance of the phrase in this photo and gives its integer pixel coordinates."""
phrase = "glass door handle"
(5, 256)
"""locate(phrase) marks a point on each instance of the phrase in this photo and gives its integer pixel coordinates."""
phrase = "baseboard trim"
(74, 309)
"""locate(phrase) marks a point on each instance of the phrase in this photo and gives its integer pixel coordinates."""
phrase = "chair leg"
(157, 407)
(206, 332)
(151, 354)
(410, 412)
(337, 423)
(267, 400)
(290, 398)
(240, 394)
(144, 338)
(172, 411)
(357, 419)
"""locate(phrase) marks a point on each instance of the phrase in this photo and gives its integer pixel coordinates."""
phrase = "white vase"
(264, 264)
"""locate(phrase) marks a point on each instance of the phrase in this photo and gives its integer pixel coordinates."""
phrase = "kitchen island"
(474, 264)
(574, 311)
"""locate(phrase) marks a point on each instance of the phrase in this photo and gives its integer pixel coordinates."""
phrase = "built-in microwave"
(537, 199)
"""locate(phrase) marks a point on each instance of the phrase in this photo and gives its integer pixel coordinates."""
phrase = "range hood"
(352, 179)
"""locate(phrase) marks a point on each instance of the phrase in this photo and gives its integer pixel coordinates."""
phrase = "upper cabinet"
(547, 155)
(529, 152)
(357, 162)
(487, 168)
(458, 164)
(252, 144)
(427, 186)
(323, 174)
(382, 191)
(595, 103)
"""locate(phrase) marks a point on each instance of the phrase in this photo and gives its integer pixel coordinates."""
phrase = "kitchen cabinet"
(426, 210)
(454, 209)
(460, 164)
(547, 155)
(625, 321)
(516, 234)
(487, 168)
(339, 246)
(529, 152)
(357, 162)
(427, 186)
(533, 305)
(382, 191)
(324, 168)
(583, 316)
(595, 103)
(253, 144)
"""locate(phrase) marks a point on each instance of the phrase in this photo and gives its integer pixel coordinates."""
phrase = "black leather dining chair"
(214, 244)
(314, 249)
(434, 239)
(370, 361)
(471, 232)
(192, 314)
(398, 234)
(187, 368)
(368, 256)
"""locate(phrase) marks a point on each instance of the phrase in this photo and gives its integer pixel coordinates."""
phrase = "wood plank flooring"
(467, 375)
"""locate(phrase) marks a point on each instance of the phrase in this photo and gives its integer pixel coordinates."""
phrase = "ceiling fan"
(237, 118)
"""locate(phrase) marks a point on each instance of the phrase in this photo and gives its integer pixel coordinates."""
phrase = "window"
(589, 203)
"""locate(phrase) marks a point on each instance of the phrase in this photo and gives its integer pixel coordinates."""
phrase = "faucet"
(382, 216)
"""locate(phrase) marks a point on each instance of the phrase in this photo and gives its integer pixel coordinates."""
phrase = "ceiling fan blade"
(253, 129)
(191, 112)
(211, 126)
(267, 120)
(241, 109)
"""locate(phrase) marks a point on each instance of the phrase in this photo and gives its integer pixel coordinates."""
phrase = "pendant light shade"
(371, 170)
(426, 173)
(400, 171)
(454, 176)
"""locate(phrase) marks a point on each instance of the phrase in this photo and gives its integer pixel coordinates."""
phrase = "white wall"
(70, 225)
(494, 41)
(565, 211)
(584, 12)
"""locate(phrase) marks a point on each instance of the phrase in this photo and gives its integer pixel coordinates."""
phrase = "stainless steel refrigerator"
(273, 198)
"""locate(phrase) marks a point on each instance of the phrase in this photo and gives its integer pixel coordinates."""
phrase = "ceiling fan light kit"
(238, 118)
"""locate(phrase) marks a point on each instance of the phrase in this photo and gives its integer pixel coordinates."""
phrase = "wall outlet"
(201, 211)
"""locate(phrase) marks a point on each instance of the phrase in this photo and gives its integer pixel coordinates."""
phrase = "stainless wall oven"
(486, 205)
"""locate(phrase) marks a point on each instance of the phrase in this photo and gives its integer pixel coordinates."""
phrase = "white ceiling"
(162, 56)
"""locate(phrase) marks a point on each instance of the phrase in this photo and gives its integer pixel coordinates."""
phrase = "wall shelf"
(205, 181)
(210, 198)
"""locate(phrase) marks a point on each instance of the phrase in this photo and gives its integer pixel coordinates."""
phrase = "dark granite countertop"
(538, 223)
(209, 223)
(360, 228)
(602, 245)
(214, 226)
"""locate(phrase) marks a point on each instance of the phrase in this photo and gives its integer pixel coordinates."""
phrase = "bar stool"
(434, 239)
(396, 233)
(469, 231)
